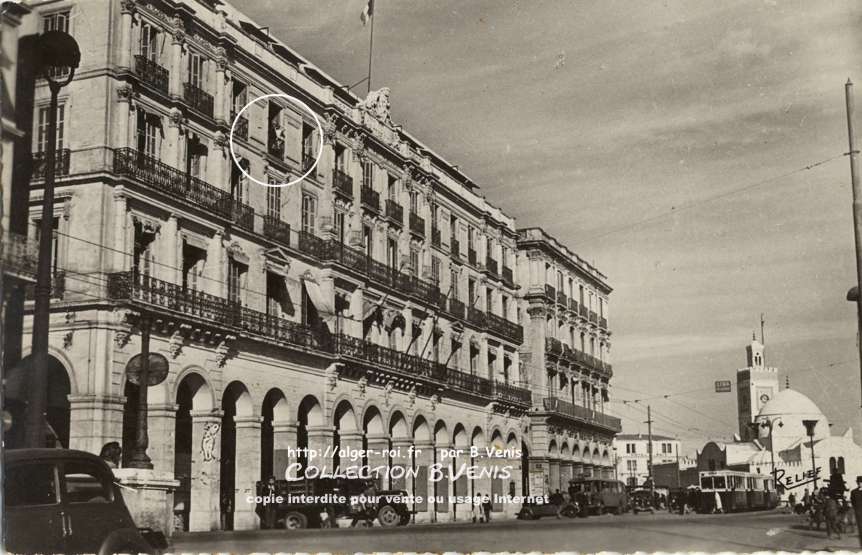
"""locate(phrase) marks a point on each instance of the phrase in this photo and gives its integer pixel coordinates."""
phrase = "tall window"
(273, 202)
(368, 240)
(392, 253)
(414, 202)
(470, 238)
(601, 307)
(307, 145)
(504, 257)
(236, 280)
(392, 190)
(197, 70)
(55, 243)
(240, 97)
(149, 133)
(276, 295)
(368, 174)
(453, 281)
(149, 42)
(42, 127)
(489, 300)
(435, 269)
(631, 448)
(581, 293)
(339, 158)
(197, 158)
(58, 21)
(339, 226)
(504, 305)
(471, 291)
(414, 261)
(237, 181)
(309, 212)
(193, 267)
(453, 230)
(143, 257)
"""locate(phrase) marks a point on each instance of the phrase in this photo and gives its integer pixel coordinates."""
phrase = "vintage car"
(534, 511)
(597, 495)
(66, 501)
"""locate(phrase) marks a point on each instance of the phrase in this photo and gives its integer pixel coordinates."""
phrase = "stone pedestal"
(553, 475)
(149, 495)
(162, 426)
(378, 445)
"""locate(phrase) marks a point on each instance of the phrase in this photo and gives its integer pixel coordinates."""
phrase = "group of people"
(831, 508)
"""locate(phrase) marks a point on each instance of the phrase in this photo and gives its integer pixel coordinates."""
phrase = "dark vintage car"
(389, 510)
(533, 511)
(66, 501)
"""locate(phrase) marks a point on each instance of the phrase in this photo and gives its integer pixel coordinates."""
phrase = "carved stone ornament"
(435, 400)
(377, 104)
(176, 118)
(330, 126)
(125, 93)
(175, 344)
(220, 139)
(179, 31)
(122, 338)
(411, 397)
(128, 6)
(331, 375)
(67, 339)
(361, 387)
(224, 351)
(387, 393)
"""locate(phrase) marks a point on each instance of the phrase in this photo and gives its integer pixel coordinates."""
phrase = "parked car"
(534, 511)
(597, 495)
(66, 501)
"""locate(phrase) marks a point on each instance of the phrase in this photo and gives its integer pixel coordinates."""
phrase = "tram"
(739, 491)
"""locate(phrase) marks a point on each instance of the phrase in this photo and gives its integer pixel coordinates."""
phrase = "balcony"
(276, 230)
(169, 298)
(583, 311)
(491, 266)
(562, 299)
(379, 357)
(58, 287)
(603, 322)
(342, 184)
(241, 129)
(550, 292)
(61, 163)
(471, 256)
(152, 74)
(469, 383)
(507, 329)
(182, 186)
(394, 212)
(508, 277)
(455, 247)
(553, 346)
(583, 414)
(435, 237)
(20, 256)
(370, 199)
(512, 394)
(456, 309)
(573, 305)
(417, 224)
(594, 318)
(476, 317)
(198, 99)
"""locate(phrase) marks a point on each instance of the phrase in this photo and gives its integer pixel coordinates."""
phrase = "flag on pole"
(367, 12)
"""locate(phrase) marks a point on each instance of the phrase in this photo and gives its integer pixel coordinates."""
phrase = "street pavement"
(741, 532)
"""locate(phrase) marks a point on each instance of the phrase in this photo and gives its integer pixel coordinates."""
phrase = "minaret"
(756, 384)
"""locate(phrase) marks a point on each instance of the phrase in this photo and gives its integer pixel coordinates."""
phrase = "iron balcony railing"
(160, 295)
(58, 287)
(198, 99)
(417, 224)
(152, 73)
(370, 199)
(562, 299)
(435, 237)
(20, 255)
(594, 318)
(342, 183)
(61, 163)
(603, 322)
(505, 328)
(550, 292)
(378, 356)
(394, 212)
(491, 265)
(470, 383)
(241, 129)
(573, 305)
(277, 230)
(584, 414)
(512, 393)
(182, 186)
(508, 276)
(471, 256)
(476, 317)
(553, 346)
(583, 311)
(456, 309)
(308, 160)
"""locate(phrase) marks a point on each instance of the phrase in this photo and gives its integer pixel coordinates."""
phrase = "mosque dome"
(792, 407)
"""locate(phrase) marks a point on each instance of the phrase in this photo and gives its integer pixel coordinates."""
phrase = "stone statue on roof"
(377, 104)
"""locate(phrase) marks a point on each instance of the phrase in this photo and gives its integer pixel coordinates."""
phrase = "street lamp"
(809, 429)
(770, 424)
(57, 57)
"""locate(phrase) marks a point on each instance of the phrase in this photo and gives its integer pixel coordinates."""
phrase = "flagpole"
(371, 48)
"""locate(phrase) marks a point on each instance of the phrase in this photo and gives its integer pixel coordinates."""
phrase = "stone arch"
(606, 458)
(236, 404)
(195, 378)
(576, 453)
(441, 433)
(596, 458)
(421, 429)
(275, 408)
(372, 421)
(565, 452)
(512, 440)
(398, 428)
(310, 411)
(477, 438)
(276, 398)
(460, 437)
(497, 439)
(553, 450)
(191, 393)
(344, 416)
(237, 393)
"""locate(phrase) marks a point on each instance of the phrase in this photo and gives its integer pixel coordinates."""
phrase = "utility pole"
(649, 445)
(857, 208)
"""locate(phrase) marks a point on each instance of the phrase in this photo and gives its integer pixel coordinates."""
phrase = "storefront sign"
(723, 386)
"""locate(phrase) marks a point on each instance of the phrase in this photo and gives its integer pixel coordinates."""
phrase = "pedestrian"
(270, 509)
(791, 502)
(718, 507)
(806, 500)
(856, 501)
(487, 507)
(830, 513)
(111, 453)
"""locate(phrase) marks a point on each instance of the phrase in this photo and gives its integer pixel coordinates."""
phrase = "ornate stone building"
(373, 304)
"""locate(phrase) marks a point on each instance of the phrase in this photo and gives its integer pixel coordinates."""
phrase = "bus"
(597, 495)
(738, 490)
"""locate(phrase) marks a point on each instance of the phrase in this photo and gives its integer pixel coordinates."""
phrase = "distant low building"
(633, 455)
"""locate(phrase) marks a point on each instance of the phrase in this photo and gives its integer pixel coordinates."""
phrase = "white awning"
(322, 296)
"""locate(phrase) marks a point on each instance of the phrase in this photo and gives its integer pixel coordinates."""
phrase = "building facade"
(632, 455)
(565, 356)
(756, 385)
(376, 304)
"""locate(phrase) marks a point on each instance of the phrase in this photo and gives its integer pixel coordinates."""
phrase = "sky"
(664, 141)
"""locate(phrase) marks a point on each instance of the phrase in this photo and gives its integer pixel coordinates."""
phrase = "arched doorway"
(57, 407)
(274, 410)
(309, 415)
(236, 401)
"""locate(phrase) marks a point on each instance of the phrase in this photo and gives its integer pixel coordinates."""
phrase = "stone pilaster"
(283, 441)
(205, 474)
(162, 425)
(378, 446)
(95, 420)
(247, 471)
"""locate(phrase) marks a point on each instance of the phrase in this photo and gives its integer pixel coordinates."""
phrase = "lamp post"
(809, 429)
(58, 56)
(770, 424)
